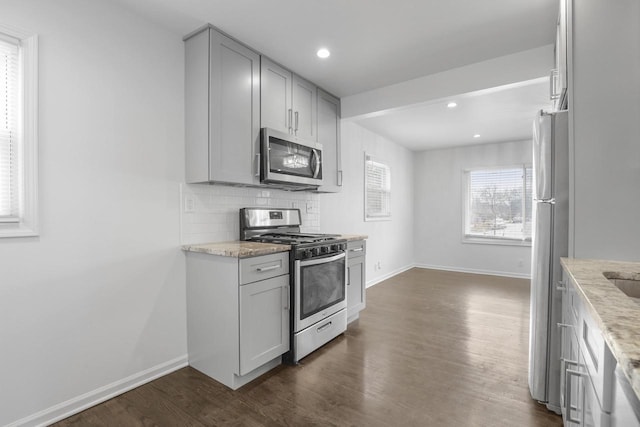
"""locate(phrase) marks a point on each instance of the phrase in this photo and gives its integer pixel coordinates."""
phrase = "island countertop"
(617, 315)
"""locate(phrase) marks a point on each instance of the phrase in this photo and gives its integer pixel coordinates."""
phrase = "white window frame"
(26, 224)
(466, 205)
(384, 214)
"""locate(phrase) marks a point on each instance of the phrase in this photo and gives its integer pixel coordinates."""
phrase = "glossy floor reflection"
(432, 348)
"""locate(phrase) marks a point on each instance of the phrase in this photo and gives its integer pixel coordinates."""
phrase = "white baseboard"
(475, 271)
(99, 395)
(389, 275)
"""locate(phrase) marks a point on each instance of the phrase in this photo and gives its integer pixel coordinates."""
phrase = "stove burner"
(293, 238)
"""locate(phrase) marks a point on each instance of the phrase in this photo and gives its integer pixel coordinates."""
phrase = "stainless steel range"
(318, 276)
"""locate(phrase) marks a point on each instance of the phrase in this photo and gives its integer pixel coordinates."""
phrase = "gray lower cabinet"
(222, 110)
(237, 315)
(287, 101)
(356, 286)
(594, 393)
(329, 137)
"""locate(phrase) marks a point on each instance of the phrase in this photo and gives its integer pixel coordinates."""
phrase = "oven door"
(320, 289)
(291, 160)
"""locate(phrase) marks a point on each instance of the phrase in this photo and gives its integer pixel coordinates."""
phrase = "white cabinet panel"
(356, 287)
(275, 100)
(222, 108)
(329, 136)
(264, 322)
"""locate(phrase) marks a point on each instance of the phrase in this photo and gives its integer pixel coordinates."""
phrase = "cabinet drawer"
(356, 248)
(594, 416)
(598, 359)
(263, 267)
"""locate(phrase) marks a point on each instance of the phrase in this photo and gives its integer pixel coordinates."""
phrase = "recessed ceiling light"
(452, 105)
(477, 135)
(323, 53)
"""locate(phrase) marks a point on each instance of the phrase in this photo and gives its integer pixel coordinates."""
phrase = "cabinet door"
(329, 137)
(304, 109)
(560, 81)
(264, 322)
(356, 287)
(275, 96)
(234, 111)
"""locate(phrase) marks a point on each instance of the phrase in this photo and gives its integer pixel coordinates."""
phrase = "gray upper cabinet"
(329, 137)
(288, 102)
(222, 108)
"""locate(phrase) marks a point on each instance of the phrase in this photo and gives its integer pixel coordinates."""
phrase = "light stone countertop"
(237, 249)
(240, 249)
(617, 315)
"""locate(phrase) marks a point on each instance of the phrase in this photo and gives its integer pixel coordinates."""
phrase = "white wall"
(389, 241)
(605, 122)
(98, 298)
(439, 210)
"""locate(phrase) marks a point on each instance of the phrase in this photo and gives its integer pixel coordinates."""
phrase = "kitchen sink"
(627, 283)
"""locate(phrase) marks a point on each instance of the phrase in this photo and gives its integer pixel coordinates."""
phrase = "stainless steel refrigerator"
(550, 242)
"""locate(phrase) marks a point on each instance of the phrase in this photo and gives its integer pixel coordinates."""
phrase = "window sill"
(10, 230)
(378, 218)
(495, 241)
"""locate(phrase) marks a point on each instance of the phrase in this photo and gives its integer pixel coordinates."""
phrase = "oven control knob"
(305, 254)
(315, 251)
(324, 249)
(336, 248)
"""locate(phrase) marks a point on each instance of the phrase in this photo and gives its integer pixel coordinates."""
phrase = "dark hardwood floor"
(432, 348)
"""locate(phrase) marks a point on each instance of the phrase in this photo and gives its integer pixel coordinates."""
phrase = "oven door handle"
(316, 261)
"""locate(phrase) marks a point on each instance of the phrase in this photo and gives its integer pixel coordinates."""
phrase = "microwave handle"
(316, 162)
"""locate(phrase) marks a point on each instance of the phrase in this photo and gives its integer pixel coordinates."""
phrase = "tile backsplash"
(209, 213)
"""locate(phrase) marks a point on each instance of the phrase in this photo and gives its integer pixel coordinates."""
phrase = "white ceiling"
(497, 115)
(376, 43)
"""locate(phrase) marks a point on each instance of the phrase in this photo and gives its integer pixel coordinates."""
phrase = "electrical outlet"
(189, 204)
(309, 207)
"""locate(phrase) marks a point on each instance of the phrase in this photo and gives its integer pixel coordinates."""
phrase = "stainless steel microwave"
(287, 159)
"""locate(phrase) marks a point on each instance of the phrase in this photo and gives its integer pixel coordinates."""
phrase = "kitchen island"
(606, 313)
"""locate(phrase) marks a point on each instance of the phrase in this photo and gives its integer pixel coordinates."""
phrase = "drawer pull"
(564, 325)
(356, 250)
(323, 327)
(269, 268)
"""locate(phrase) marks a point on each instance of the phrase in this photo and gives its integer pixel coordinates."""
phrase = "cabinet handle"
(348, 275)
(564, 325)
(567, 385)
(286, 298)
(356, 250)
(340, 178)
(296, 129)
(290, 120)
(269, 268)
(258, 164)
(562, 286)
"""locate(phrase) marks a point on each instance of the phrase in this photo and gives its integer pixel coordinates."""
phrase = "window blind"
(499, 203)
(378, 189)
(9, 110)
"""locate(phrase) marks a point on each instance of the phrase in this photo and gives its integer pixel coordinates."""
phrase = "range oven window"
(321, 286)
(294, 159)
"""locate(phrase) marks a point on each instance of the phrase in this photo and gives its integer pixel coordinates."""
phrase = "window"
(498, 205)
(18, 133)
(377, 197)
